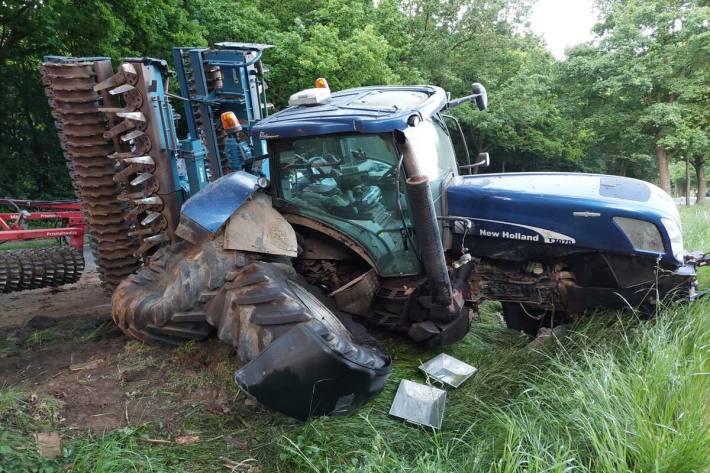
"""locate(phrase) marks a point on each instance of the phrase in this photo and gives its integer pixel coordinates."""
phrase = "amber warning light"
(321, 83)
(230, 124)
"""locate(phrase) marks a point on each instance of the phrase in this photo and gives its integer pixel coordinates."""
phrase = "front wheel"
(531, 319)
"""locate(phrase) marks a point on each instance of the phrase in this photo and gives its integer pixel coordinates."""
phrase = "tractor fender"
(250, 222)
(212, 206)
(259, 228)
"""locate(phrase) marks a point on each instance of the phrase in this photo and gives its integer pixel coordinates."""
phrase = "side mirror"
(484, 160)
(480, 96)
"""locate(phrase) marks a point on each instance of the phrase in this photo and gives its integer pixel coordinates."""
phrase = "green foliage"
(300, 56)
(641, 86)
(32, 162)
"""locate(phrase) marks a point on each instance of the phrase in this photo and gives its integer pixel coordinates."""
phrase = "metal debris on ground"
(448, 370)
(419, 404)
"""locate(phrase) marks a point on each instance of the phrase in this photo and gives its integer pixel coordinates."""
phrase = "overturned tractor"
(286, 235)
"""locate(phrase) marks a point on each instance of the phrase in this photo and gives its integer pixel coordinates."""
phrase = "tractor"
(289, 234)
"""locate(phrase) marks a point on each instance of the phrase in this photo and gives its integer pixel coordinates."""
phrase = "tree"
(693, 142)
(635, 96)
(641, 77)
(33, 165)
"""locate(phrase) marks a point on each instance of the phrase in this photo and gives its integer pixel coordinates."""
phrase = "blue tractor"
(286, 235)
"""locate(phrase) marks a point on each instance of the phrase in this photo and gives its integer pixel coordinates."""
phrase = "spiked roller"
(144, 171)
(85, 135)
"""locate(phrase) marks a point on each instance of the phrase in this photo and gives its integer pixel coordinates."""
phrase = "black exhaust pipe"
(429, 241)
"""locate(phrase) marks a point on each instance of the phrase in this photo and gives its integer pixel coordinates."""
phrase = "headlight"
(676, 236)
(642, 234)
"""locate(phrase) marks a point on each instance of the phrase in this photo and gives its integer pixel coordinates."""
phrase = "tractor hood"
(592, 211)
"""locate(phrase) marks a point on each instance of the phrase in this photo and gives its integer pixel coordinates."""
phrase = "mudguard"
(211, 207)
(259, 228)
(303, 374)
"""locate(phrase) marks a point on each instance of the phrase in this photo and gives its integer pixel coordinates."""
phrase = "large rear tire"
(299, 357)
(162, 303)
(265, 300)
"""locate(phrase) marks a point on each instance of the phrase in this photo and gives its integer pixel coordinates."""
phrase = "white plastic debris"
(448, 370)
(419, 404)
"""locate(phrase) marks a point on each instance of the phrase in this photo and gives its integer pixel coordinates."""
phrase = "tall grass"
(613, 395)
(696, 234)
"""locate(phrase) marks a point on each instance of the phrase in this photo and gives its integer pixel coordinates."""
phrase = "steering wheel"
(319, 167)
(299, 162)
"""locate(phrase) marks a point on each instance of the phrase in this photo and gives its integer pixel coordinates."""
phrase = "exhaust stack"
(429, 239)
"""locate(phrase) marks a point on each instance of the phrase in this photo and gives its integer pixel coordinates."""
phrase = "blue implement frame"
(241, 91)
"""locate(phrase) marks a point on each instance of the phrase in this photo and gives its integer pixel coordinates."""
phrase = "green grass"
(42, 337)
(24, 244)
(614, 394)
(696, 233)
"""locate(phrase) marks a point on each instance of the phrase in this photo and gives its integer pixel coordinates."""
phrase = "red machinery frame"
(11, 223)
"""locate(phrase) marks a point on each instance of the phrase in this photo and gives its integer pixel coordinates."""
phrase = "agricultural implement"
(50, 266)
(285, 234)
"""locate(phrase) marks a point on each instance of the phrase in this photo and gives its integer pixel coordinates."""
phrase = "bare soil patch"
(61, 344)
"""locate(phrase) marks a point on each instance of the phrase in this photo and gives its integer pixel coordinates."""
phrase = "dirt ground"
(61, 344)
(81, 299)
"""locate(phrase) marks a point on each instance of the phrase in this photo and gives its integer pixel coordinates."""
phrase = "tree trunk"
(664, 176)
(702, 183)
(623, 169)
(687, 181)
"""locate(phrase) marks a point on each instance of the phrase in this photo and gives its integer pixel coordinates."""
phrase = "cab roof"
(376, 109)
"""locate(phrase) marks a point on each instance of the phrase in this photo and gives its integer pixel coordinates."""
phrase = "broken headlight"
(643, 235)
(676, 237)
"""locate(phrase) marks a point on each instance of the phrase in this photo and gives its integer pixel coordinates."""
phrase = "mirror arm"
(484, 162)
(460, 101)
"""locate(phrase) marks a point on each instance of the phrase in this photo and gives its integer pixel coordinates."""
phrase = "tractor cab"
(339, 160)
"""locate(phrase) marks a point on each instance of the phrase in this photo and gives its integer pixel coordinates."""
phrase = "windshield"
(349, 181)
(432, 146)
